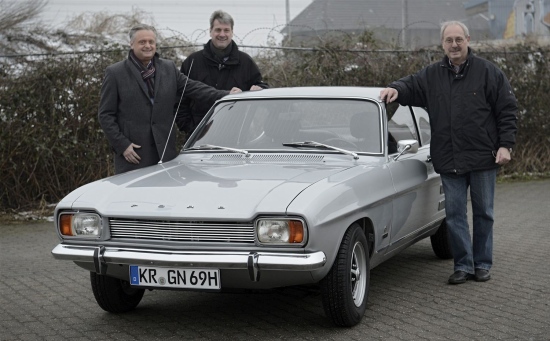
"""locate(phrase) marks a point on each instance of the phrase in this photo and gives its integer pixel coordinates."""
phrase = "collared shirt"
(457, 68)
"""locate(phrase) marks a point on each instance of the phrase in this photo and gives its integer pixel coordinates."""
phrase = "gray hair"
(140, 27)
(452, 23)
(222, 17)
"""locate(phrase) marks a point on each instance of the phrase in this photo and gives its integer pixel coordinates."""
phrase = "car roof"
(372, 93)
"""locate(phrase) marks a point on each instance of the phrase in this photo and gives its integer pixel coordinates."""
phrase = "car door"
(417, 204)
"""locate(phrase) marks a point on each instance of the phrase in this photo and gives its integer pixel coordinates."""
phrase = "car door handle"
(429, 158)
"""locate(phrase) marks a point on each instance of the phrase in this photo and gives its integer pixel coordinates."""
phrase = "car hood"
(201, 190)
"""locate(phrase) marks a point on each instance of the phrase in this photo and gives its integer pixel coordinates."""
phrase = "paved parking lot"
(45, 299)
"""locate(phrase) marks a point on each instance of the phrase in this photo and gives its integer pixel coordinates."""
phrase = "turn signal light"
(296, 231)
(65, 223)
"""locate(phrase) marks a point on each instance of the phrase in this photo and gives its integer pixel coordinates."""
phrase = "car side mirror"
(405, 147)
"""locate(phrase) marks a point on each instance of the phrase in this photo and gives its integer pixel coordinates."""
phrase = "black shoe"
(482, 275)
(459, 277)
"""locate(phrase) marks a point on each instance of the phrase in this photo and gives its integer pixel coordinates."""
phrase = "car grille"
(187, 231)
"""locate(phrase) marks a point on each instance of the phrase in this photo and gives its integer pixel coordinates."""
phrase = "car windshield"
(269, 124)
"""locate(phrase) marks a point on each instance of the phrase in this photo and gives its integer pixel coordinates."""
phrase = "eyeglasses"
(458, 41)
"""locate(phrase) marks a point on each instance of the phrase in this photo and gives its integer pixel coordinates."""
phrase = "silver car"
(278, 187)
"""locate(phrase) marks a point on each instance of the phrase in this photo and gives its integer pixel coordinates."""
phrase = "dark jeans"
(470, 254)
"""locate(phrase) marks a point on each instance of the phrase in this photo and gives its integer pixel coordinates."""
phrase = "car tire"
(345, 288)
(441, 243)
(114, 295)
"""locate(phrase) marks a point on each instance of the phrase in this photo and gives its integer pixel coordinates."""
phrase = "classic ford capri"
(278, 187)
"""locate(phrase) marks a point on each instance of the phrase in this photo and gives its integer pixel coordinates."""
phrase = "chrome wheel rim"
(358, 274)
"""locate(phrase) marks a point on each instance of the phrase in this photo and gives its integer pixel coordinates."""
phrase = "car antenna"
(176, 114)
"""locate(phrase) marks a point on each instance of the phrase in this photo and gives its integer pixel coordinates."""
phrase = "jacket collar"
(135, 72)
(233, 55)
(446, 62)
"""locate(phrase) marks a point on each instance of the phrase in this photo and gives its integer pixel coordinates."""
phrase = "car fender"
(331, 205)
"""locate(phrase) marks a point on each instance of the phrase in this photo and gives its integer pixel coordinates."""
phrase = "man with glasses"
(472, 112)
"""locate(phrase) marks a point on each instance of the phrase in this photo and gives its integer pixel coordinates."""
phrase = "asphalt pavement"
(45, 299)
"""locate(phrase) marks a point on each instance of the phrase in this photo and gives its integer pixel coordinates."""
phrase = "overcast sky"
(255, 21)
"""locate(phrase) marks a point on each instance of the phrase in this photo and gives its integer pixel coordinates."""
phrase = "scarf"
(221, 55)
(147, 73)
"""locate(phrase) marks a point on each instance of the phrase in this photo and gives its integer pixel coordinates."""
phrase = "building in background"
(406, 23)
(415, 24)
(513, 18)
(496, 13)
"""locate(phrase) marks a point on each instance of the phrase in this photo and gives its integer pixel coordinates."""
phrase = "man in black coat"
(221, 65)
(138, 96)
(472, 112)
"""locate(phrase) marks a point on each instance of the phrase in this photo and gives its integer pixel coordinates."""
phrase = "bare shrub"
(16, 21)
(108, 24)
(51, 142)
(14, 13)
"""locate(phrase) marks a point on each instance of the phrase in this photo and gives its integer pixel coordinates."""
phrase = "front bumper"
(254, 262)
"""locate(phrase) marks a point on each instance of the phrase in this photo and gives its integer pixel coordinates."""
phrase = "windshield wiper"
(313, 144)
(211, 146)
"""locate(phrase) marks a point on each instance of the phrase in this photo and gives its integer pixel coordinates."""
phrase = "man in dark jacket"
(221, 65)
(136, 109)
(473, 120)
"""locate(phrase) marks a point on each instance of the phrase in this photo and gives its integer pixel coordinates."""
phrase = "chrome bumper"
(252, 261)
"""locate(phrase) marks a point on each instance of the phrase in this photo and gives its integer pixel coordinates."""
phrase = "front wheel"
(441, 243)
(114, 295)
(345, 288)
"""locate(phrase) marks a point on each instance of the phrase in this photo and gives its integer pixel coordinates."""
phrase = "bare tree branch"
(14, 13)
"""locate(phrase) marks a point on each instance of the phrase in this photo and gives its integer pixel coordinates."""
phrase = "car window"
(268, 123)
(401, 124)
(423, 121)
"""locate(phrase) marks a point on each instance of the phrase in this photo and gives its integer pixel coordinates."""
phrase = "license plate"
(174, 277)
